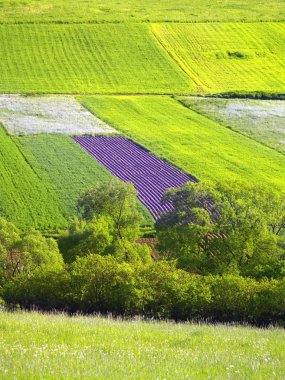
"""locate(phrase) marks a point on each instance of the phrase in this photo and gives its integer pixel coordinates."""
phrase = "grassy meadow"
(262, 120)
(228, 57)
(147, 10)
(103, 58)
(37, 346)
(188, 140)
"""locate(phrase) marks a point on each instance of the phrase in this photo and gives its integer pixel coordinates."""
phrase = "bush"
(102, 284)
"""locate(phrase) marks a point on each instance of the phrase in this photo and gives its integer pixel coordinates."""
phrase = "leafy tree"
(84, 237)
(110, 225)
(220, 228)
(117, 201)
(26, 252)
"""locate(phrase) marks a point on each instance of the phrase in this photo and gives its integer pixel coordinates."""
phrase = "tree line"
(221, 257)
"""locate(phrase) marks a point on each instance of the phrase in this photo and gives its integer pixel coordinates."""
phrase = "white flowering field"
(25, 115)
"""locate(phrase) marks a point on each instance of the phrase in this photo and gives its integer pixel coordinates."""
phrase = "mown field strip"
(24, 197)
(25, 115)
(228, 57)
(82, 58)
(126, 160)
(196, 144)
(262, 120)
(133, 10)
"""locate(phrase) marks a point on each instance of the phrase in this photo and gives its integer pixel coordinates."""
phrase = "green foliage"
(116, 200)
(133, 10)
(101, 284)
(86, 58)
(96, 283)
(24, 197)
(110, 225)
(190, 141)
(220, 228)
(228, 57)
(26, 253)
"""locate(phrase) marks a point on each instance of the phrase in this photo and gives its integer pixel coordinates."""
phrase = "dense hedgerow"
(96, 284)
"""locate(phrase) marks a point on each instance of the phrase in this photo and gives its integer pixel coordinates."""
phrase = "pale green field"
(141, 10)
(34, 346)
(105, 58)
(228, 57)
(188, 140)
(262, 120)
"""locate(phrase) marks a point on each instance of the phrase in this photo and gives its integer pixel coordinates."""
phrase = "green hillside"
(86, 59)
(141, 10)
(228, 57)
(194, 143)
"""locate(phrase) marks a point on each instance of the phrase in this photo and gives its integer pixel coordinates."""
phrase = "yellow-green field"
(188, 140)
(228, 57)
(103, 58)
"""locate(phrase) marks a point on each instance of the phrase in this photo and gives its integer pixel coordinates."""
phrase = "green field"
(134, 10)
(262, 120)
(106, 58)
(228, 57)
(194, 143)
(63, 166)
(37, 346)
(24, 198)
(65, 169)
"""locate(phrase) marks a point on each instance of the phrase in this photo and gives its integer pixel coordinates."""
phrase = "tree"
(110, 225)
(26, 252)
(218, 228)
(116, 200)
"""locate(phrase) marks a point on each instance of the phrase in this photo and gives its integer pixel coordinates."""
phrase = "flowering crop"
(129, 162)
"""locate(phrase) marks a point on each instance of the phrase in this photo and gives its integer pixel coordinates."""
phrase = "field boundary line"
(146, 22)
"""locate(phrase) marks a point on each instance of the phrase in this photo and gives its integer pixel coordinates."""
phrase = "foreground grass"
(122, 10)
(225, 57)
(190, 141)
(105, 58)
(262, 120)
(35, 346)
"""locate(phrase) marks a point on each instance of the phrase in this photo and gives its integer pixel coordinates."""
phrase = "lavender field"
(129, 162)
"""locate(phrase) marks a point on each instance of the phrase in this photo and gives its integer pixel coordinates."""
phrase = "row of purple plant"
(129, 162)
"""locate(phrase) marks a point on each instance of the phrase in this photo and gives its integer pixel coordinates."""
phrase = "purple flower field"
(129, 162)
